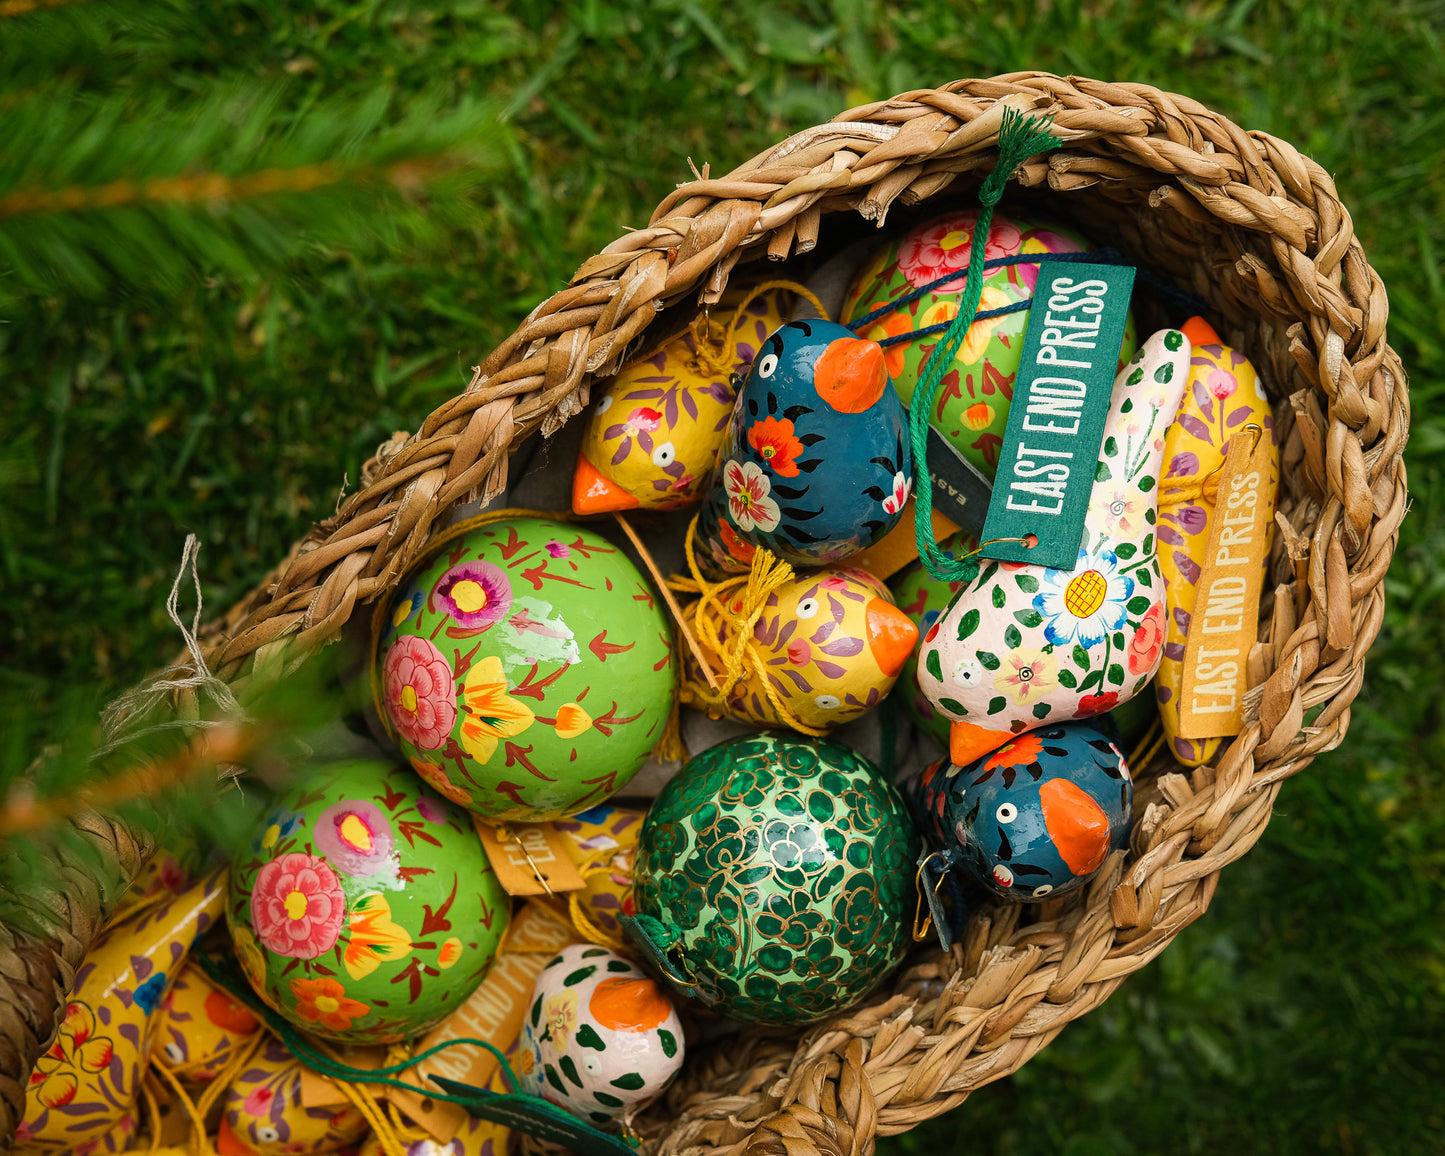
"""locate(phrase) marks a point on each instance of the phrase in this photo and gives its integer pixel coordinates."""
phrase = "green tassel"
(1019, 137)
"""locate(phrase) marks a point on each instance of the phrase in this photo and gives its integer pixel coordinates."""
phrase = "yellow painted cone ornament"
(84, 1087)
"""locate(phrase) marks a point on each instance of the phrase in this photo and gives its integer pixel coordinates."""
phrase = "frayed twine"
(191, 673)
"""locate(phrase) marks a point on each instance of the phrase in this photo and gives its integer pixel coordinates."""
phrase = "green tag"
(1056, 420)
(535, 1117)
(960, 491)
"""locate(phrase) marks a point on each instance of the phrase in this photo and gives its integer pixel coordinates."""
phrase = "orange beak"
(850, 375)
(594, 494)
(1078, 825)
(968, 743)
(891, 636)
(1200, 332)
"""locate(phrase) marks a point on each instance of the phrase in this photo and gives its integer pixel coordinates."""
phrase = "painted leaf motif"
(968, 624)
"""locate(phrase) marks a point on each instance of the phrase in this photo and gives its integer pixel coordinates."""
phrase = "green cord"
(1019, 138)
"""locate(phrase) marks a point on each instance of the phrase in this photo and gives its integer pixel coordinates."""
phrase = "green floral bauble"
(972, 404)
(782, 870)
(365, 909)
(526, 670)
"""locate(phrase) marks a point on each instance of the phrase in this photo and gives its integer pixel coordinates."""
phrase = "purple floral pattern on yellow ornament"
(1223, 399)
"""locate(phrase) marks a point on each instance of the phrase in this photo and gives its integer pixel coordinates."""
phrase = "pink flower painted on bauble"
(419, 691)
(946, 245)
(476, 594)
(297, 906)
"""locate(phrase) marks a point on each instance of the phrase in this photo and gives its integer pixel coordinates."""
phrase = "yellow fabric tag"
(529, 858)
(1225, 623)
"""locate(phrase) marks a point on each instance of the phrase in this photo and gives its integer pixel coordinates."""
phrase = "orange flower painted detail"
(324, 1001)
(774, 442)
(628, 1005)
(491, 713)
(980, 333)
(449, 953)
(1017, 752)
(736, 547)
(572, 721)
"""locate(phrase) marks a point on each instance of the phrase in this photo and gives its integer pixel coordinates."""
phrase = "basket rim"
(1286, 271)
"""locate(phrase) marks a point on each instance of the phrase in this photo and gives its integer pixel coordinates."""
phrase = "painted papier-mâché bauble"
(923, 598)
(972, 405)
(1034, 818)
(1023, 646)
(526, 670)
(83, 1092)
(1222, 400)
(774, 879)
(651, 441)
(816, 464)
(364, 908)
(199, 1027)
(600, 1038)
(262, 1112)
(830, 645)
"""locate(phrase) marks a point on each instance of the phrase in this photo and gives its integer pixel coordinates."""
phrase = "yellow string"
(153, 1110)
(198, 1141)
(1181, 490)
(715, 353)
(1149, 746)
(583, 922)
(747, 595)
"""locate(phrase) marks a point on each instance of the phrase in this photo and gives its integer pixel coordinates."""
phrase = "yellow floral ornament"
(491, 713)
(374, 936)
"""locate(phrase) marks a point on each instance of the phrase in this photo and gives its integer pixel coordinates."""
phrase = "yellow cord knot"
(724, 620)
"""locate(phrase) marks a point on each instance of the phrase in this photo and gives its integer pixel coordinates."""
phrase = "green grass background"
(1304, 1012)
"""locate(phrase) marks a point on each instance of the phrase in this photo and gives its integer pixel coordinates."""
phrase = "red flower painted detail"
(1145, 646)
(297, 906)
(1092, 704)
(419, 691)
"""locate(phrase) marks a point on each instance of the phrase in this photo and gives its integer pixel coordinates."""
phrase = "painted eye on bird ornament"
(663, 454)
(807, 608)
(605, 404)
(826, 701)
(175, 1053)
(967, 672)
(1006, 813)
(768, 365)
(267, 1134)
(1042, 889)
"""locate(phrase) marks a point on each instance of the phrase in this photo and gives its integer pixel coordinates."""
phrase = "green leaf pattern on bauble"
(784, 869)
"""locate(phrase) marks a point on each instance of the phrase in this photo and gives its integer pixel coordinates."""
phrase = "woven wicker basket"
(1238, 218)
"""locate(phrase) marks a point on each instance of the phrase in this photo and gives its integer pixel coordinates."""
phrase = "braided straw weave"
(1238, 218)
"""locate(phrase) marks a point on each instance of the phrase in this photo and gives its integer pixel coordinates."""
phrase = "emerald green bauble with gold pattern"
(774, 878)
